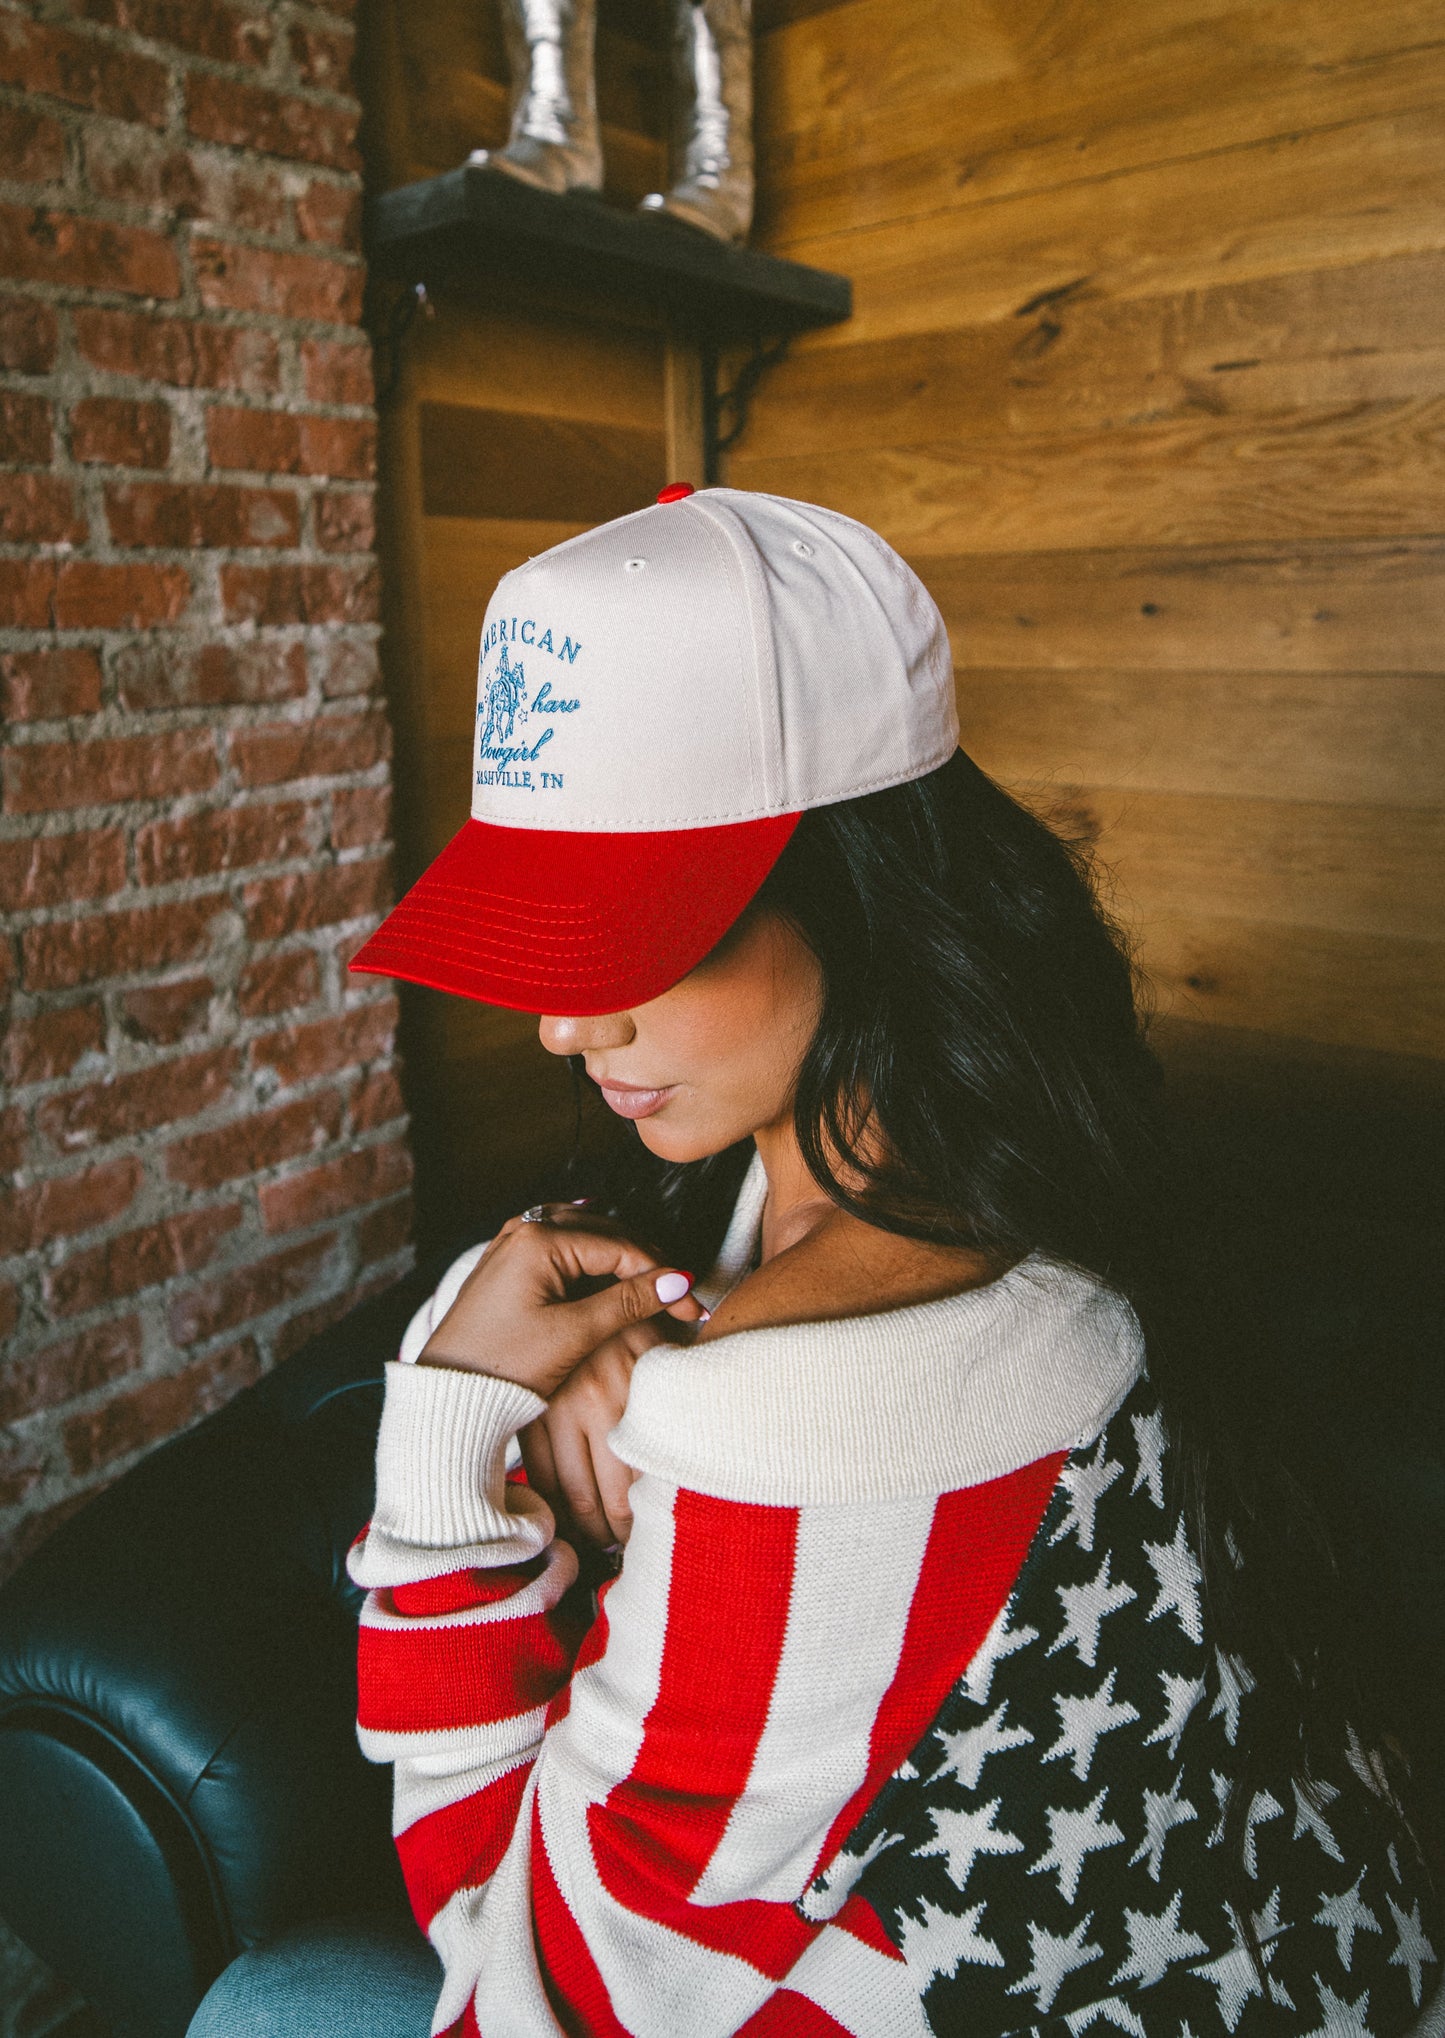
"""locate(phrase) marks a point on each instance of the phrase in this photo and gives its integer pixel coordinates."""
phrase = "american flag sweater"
(899, 1717)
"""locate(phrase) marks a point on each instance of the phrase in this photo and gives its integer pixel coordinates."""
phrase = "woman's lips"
(629, 1103)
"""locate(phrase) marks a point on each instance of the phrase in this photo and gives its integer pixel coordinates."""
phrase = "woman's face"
(719, 1052)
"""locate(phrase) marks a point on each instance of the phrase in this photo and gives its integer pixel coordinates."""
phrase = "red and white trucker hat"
(658, 702)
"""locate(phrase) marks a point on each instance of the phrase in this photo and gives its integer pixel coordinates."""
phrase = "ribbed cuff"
(441, 1470)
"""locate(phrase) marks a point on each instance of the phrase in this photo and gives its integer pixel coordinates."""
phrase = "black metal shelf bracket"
(725, 411)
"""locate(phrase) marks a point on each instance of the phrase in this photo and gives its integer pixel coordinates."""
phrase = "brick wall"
(201, 1127)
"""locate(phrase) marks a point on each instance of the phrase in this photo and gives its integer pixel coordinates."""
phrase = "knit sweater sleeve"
(612, 1827)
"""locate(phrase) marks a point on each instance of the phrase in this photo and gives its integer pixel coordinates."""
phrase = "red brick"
(300, 1053)
(263, 1139)
(345, 666)
(349, 1183)
(27, 593)
(30, 334)
(323, 747)
(300, 594)
(12, 1139)
(346, 520)
(330, 214)
(25, 428)
(322, 57)
(248, 1292)
(9, 1317)
(7, 971)
(162, 1095)
(58, 1208)
(156, 672)
(163, 1014)
(181, 515)
(234, 277)
(38, 686)
(93, 946)
(252, 117)
(32, 146)
(44, 777)
(160, 1408)
(276, 906)
(283, 442)
(56, 870)
(138, 1259)
(231, 35)
(376, 1100)
(90, 595)
(278, 983)
(22, 1466)
(68, 1368)
(187, 183)
(361, 818)
(40, 246)
(228, 838)
(337, 371)
(46, 1045)
(384, 1232)
(100, 76)
(39, 509)
(121, 432)
(178, 351)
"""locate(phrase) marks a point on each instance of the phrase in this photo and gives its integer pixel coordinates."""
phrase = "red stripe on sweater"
(460, 1591)
(459, 1846)
(575, 1987)
(426, 1680)
(859, 1918)
(727, 1614)
(789, 2015)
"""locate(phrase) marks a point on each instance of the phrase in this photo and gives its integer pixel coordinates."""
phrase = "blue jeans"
(355, 1978)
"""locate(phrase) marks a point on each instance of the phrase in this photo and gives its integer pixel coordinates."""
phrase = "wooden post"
(683, 410)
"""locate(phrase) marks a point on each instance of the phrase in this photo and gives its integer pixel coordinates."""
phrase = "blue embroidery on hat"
(503, 707)
(504, 700)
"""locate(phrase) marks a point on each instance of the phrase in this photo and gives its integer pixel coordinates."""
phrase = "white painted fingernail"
(672, 1287)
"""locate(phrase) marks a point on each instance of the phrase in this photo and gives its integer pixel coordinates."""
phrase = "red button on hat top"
(675, 491)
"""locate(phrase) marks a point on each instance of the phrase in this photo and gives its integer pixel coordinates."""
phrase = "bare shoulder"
(845, 1268)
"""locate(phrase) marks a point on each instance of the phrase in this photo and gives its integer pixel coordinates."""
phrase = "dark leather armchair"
(179, 1774)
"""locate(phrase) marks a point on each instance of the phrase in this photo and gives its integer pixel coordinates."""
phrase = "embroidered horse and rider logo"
(503, 701)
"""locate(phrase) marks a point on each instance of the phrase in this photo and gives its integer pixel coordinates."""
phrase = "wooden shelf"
(486, 222)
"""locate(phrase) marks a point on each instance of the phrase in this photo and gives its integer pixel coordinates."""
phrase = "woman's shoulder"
(887, 1403)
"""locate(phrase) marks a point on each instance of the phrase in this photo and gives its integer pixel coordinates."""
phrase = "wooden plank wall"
(1147, 379)
(517, 421)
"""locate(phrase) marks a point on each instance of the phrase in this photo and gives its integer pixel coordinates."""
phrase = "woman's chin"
(676, 1142)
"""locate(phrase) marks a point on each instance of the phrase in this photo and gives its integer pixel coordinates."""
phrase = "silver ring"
(536, 1215)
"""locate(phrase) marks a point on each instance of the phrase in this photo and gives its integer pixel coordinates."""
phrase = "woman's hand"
(565, 1451)
(513, 1318)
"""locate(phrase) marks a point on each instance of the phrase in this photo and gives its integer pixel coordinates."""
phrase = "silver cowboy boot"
(555, 141)
(712, 143)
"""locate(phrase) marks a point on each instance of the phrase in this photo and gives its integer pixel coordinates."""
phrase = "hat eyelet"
(803, 550)
(634, 565)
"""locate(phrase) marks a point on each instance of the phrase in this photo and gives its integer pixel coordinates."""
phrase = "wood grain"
(520, 466)
(1376, 740)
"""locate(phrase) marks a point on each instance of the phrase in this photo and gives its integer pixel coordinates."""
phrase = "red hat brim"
(568, 922)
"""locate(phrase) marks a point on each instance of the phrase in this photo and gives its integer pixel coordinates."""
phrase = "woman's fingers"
(577, 1480)
(537, 1458)
(614, 1488)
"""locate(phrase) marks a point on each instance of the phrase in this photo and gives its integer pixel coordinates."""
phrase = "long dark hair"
(982, 1002)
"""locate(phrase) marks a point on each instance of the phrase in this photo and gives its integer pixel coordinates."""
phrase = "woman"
(949, 1680)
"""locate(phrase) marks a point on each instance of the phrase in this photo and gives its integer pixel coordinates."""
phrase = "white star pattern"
(1000, 1641)
(1221, 1787)
(1084, 1721)
(965, 1753)
(1053, 1960)
(1181, 1695)
(1263, 1806)
(1345, 1915)
(1234, 1981)
(1085, 1481)
(1156, 1943)
(1118, 2016)
(937, 1943)
(827, 1893)
(1085, 1607)
(1163, 1810)
(1072, 1835)
(1342, 2019)
(1149, 1441)
(1177, 1570)
(1310, 1818)
(963, 1836)
(1414, 1949)
(1235, 1683)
